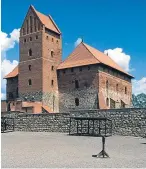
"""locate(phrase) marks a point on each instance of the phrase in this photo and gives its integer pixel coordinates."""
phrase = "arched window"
(52, 39)
(47, 37)
(107, 101)
(76, 84)
(57, 41)
(52, 68)
(35, 24)
(52, 82)
(29, 67)
(24, 40)
(23, 32)
(36, 37)
(27, 27)
(117, 87)
(52, 53)
(107, 85)
(30, 52)
(29, 82)
(76, 101)
(125, 90)
(17, 94)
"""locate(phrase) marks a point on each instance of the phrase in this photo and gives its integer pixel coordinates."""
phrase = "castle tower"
(40, 54)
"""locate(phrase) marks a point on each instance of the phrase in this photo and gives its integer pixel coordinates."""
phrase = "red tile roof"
(47, 21)
(87, 55)
(13, 73)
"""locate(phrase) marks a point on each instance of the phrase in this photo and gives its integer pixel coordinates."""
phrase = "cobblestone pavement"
(44, 150)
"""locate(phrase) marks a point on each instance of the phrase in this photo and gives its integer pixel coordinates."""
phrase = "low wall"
(128, 122)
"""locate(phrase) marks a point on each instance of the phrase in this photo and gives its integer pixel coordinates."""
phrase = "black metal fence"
(7, 124)
(90, 126)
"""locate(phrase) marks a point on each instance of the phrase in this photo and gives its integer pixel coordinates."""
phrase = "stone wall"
(127, 122)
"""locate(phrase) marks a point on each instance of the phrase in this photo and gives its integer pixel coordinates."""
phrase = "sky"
(114, 27)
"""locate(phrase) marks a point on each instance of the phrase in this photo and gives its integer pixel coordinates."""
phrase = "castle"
(87, 79)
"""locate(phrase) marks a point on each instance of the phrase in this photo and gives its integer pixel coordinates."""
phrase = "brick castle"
(87, 79)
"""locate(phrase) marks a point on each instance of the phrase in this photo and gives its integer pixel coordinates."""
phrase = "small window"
(52, 82)
(52, 53)
(29, 82)
(30, 52)
(88, 67)
(76, 101)
(29, 67)
(52, 40)
(24, 40)
(52, 68)
(57, 41)
(125, 90)
(30, 39)
(36, 37)
(107, 101)
(64, 71)
(76, 84)
(72, 69)
(47, 37)
(117, 87)
(80, 68)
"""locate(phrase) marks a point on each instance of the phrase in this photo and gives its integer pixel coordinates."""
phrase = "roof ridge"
(53, 22)
(90, 51)
(69, 55)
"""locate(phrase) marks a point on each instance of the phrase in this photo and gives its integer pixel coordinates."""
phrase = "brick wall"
(116, 88)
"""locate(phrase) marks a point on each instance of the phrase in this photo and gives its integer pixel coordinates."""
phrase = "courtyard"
(52, 150)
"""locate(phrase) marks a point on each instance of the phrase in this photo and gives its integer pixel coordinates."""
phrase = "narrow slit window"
(76, 101)
(76, 84)
(52, 53)
(29, 82)
(52, 82)
(30, 52)
(29, 67)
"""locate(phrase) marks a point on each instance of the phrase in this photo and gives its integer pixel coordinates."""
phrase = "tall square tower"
(40, 55)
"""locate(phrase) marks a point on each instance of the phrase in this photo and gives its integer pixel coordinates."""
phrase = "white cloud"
(7, 42)
(3, 96)
(139, 86)
(77, 42)
(120, 58)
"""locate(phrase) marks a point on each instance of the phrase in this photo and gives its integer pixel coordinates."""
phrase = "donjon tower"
(40, 54)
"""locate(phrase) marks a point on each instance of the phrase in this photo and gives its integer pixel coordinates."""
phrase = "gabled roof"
(13, 73)
(47, 21)
(87, 55)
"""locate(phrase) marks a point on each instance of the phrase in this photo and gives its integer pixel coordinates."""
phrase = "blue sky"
(103, 24)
